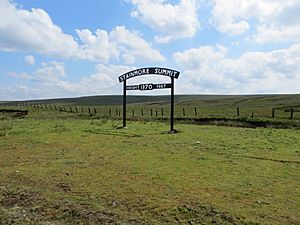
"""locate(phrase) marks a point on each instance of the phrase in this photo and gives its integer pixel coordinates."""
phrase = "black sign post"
(172, 106)
(173, 74)
(124, 104)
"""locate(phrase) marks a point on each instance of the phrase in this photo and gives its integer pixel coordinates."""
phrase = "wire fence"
(163, 111)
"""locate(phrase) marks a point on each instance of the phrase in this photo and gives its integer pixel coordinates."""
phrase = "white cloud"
(104, 81)
(206, 70)
(49, 72)
(172, 21)
(29, 59)
(33, 30)
(119, 43)
(134, 47)
(97, 47)
(51, 81)
(23, 30)
(267, 34)
(227, 16)
(274, 20)
(45, 82)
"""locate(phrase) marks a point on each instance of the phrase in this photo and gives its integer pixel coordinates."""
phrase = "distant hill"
(118, 99)
(207, 100)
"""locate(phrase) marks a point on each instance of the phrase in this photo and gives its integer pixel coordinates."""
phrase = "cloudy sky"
(66, 48)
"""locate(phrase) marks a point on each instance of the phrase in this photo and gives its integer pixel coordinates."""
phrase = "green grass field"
(61, 168)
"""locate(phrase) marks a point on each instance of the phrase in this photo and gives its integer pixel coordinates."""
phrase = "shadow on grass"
(113, 133)
(123, 134)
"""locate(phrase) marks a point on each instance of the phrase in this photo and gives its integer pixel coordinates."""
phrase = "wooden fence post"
(183, 111)
(195, 111)
(252, 115)
(162, 112)
(142, 112)
(292, 112)
(151, 112)
(273, 112)
(237, 111)
(95, 111)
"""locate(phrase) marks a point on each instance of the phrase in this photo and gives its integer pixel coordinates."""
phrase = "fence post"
(162, 112)
(142, 112)
(252, 115)
(156, 113)
(76, 109)
(237, 111)
(195, 111)
(273, 112)
(133, 112)
(292, 112)
(183, 111)
(89, 110)
(95, 111)
(151, 112)
(109, 112)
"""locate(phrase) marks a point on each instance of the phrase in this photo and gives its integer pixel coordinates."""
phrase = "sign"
(147, 87)
(149, 71)
(173, 74)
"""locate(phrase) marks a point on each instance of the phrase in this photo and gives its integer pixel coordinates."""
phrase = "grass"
(6, 124)
(5, 127)
(60, 169)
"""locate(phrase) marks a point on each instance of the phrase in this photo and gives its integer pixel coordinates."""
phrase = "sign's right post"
(172, 106)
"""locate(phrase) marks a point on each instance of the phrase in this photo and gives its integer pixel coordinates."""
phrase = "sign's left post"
(124, 104)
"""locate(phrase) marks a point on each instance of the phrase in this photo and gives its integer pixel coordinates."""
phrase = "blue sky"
(54, 48)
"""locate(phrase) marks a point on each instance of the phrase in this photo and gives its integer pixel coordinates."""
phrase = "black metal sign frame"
(173, 74)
